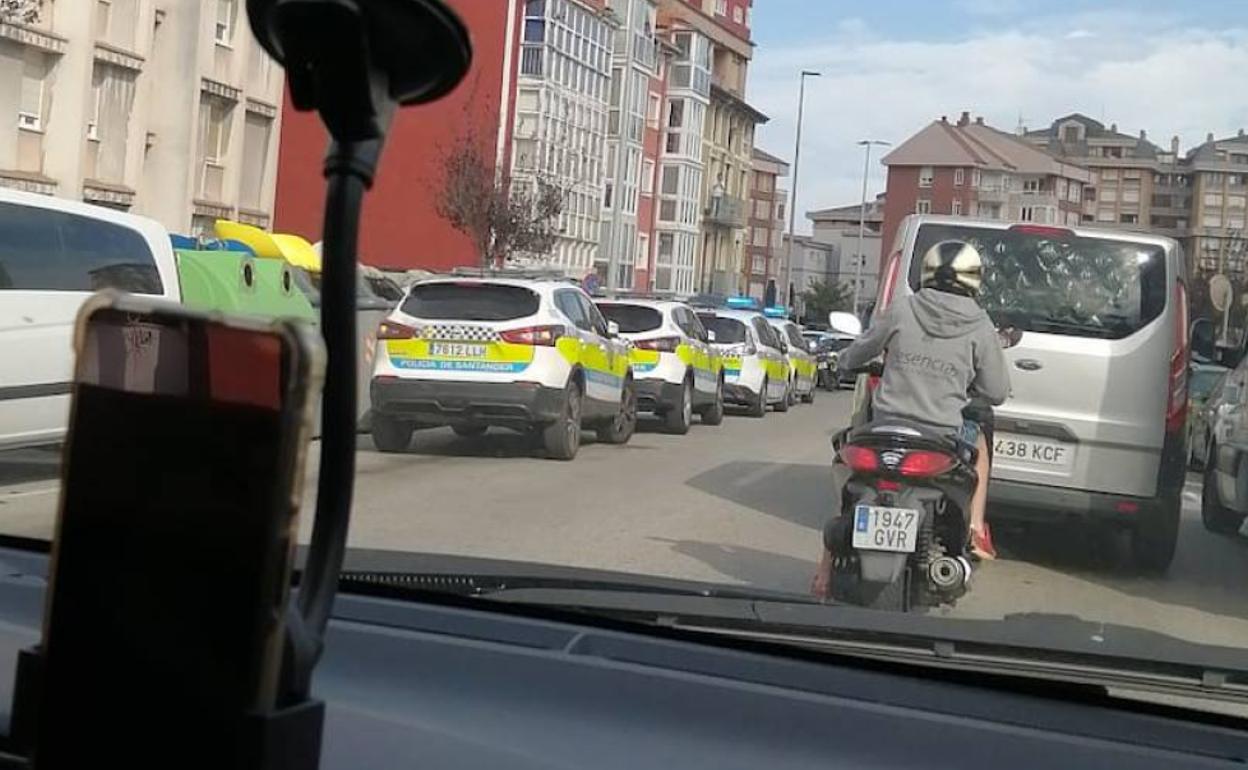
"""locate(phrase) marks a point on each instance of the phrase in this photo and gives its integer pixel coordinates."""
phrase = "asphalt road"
(741, 503)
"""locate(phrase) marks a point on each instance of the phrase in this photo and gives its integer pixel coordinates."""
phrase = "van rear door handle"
(1028, 364)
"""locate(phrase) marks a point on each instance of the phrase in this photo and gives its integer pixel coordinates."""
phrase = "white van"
(1094, 428)
(53, 254)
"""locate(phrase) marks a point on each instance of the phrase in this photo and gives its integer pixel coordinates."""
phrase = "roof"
(528, 283)
(657, 304)
(976, 144)
(744, 316)
(738, 102)
(1208, 151)
(809, 240)
(850, 213)
(760, 154)
(1094, 131)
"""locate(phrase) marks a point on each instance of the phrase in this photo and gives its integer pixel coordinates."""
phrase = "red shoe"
(981, 544)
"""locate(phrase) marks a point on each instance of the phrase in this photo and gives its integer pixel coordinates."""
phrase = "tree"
(503, 216)
(823, 297)
(20, 11)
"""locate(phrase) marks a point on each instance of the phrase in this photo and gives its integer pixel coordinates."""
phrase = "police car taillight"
(661, 344)
(534, 335)
(389, 330)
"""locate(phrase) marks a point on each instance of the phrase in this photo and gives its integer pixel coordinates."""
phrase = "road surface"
(741, 503)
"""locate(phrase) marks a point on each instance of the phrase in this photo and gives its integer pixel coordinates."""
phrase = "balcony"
(993, 194)
(726, 211)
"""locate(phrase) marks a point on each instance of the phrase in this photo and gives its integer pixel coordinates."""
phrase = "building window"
(1105, 215)
(227, 12)
(1109, 195)
(1211, 219)
(959, 176)
(647, 177)
(976, 178)
(1213, 199)
(643, 249)
(257, 135)
(1129, 219)
(1031, 186)
(956, 209)
(758, 236)
(1108, 174)
(762, 210)
(925, 176)
(738, 15)
(721, 7)
(923, 206)
(103, 15)
(1027, 214)
(1070, 134)
(653, 110)
(215, 115)
(31, 103)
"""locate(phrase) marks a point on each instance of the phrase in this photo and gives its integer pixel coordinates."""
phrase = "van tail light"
(661, 344)
(860, 459)
(545, 336)
(925, 463)
(1048, 231)
(389, 330)
(1176, 401)
(889, 286)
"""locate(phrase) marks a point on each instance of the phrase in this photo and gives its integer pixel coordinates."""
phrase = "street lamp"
(862, 219)
(717, 199)
(797, 151)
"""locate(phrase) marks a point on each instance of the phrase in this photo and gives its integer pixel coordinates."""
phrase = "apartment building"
(814, 262)
(169, 109)
(1219, 185)
(972, 169)
(1136, 184)
(763, 257)
(838, 226)
(560, 135)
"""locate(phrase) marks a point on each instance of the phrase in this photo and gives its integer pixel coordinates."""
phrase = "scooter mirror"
(844, 323)
(354, 61)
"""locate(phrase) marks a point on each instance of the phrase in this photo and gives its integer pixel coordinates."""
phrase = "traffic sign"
(1220, 291)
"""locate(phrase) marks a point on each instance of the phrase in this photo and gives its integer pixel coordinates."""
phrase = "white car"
(475, 352)
(54, 253)
(677, 371)
(803, 369)
(756, 370)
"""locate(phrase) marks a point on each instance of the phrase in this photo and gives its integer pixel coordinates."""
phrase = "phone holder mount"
(354, 62)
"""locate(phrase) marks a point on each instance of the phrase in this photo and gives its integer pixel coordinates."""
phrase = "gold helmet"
(953, 266)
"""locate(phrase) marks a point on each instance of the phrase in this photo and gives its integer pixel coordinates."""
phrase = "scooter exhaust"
(949, 573)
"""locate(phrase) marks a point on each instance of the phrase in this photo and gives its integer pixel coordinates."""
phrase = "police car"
(803, 366)
(756, 370)
(520, 353)
(677, 372)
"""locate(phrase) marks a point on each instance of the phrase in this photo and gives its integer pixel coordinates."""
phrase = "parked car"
(803, 368)
(830, 376)
(1204, 389)
(53, 254)
(1224, 493)
(476, 352)
(1095, 426)
(756, 368)
(675, 369)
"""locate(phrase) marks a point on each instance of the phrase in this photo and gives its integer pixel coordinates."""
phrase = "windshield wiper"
(1071, 327)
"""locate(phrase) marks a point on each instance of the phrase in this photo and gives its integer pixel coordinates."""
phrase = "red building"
(401, 227)
(766, 224)
(969, 168)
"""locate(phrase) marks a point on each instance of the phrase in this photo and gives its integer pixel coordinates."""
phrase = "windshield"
(632, 318)
(469, 302)
(1058, 282)
(568, 270)
(727, 331)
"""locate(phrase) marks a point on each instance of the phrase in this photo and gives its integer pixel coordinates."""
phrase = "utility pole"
(797, 152)
(860, 257)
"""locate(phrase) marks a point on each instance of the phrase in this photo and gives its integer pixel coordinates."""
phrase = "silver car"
(1095, 425)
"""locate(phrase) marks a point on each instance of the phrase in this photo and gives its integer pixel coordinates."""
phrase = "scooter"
(902, 538)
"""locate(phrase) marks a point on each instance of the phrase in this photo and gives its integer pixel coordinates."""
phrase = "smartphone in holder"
(171, 561)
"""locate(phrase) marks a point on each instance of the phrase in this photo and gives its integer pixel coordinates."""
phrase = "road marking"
(31, 492)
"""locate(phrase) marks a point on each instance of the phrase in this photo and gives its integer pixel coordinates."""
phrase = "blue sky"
(891, 66)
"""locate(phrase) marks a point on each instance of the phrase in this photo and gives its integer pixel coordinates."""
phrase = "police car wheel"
(783, 404)
(809, 397)
(759, 407)
(678, 419)
(390, 434)
(562, 437)
(621, 427)
(714, 414)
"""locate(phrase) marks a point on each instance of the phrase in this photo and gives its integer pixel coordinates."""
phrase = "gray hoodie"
(937, 348)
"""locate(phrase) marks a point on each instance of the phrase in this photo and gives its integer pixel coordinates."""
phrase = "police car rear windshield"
(470, 302)
(727, 331)
(632, 318)
(1060, 283)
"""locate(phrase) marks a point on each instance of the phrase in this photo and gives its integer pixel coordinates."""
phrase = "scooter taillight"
(925, 463)
(860, 459)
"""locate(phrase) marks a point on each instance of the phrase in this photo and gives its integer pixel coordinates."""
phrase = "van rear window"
(632, 318)
(1059, 284)
(46, 250)
(470, 302)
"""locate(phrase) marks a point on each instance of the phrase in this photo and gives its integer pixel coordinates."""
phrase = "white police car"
(756, 370)
(676, 370)
(803, 368)
(475, 352)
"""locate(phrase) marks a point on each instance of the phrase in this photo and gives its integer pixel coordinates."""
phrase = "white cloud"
(1137, 72)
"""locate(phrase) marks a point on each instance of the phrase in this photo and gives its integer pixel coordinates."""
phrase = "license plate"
(877, 528)
(1028, 450)
(457, 350)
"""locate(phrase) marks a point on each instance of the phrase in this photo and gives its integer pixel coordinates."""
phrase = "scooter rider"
(939, 347)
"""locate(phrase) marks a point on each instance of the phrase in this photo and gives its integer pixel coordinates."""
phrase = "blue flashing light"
(777, 311)
(743, 303)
